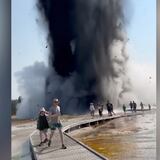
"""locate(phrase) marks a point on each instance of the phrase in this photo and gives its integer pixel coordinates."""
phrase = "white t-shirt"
(92, 107)
(52, 111)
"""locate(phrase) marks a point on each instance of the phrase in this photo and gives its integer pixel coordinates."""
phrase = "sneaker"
(46, 140)
(49, 143)
(64, 147)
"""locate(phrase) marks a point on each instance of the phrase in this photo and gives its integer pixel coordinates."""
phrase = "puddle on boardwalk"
(128, 138)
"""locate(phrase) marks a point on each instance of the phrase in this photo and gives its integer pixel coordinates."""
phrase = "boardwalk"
(75, 150)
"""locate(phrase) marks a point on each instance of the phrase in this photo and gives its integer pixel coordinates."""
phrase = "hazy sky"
(29, 37)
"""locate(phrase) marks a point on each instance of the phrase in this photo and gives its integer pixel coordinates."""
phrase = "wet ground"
(128, 138)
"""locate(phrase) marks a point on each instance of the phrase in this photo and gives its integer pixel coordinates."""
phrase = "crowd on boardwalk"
(51, 119)
(110, 109)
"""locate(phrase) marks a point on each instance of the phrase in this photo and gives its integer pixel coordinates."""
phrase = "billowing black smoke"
(87, 51)
(59, 15)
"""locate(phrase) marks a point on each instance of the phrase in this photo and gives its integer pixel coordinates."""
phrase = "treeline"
(14, 103)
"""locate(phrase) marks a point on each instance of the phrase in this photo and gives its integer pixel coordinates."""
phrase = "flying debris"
(84, 37)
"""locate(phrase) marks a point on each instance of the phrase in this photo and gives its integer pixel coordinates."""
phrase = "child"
(42, 125)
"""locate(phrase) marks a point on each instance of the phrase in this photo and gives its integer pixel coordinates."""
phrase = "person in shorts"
(54, 121)
(42, 125)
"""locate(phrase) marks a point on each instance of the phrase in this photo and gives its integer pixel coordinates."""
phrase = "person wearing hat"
(42, 125)
(54, 121)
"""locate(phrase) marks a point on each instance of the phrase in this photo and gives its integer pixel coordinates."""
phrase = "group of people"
(50, 120)
(109, 107)
(133, 106)
(100, 108)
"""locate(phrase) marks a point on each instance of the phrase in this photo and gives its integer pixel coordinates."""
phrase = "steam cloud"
(88, 60)
(87, 52)
(31, 82)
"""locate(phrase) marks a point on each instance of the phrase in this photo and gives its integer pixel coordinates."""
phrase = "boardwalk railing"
(38, 155)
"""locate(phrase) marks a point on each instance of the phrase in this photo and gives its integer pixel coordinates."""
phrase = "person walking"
(134, 106)
(149, 106)
(92, 109)
(112, 112)
(100, 109)
(109, 108)
(124, 108)
(54, 121)
(142, 107)
(131, 106)
(42, 125)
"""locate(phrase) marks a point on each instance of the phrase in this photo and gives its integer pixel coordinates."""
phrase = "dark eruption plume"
(87, 51)
(59, 17)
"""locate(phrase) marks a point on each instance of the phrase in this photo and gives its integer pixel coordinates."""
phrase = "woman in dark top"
(42, 126)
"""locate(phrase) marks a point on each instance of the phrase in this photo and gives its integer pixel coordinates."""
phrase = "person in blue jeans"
(54, 121)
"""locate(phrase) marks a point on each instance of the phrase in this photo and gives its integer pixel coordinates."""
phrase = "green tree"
(14, 103)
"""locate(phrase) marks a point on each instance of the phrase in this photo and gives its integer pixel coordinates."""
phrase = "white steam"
(139, 85)
(143, 78)
(31, 85)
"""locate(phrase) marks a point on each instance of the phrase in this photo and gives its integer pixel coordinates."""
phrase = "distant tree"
(19, 99)
(13, 107)
(14, 103)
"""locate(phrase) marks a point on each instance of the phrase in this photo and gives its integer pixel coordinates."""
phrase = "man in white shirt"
(54, 121)
(92, 109)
